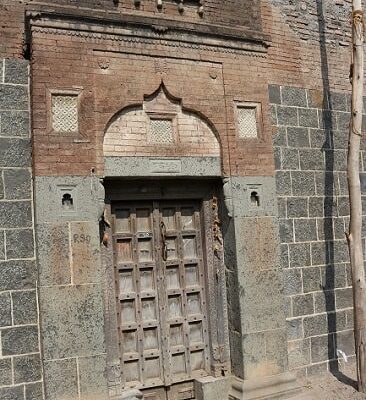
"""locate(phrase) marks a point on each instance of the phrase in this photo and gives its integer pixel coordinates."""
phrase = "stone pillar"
(255, 285)
(71, 295)
(20, 364)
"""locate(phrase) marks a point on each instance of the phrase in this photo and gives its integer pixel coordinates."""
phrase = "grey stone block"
(338, 101)
(311, 159)
(17, 184)
(2, 194)
(282, 210)
(2, 245)
(327, 120)
(53, 253)
(276, 352)
(298, 353)
(14, 123)
(284, 254)
(325, 184)
(27, 368)
(320, 139)
(72, 321)
(346, 342)
(324, 301)
(264, 289)
(320, 253)
(316, 206)
(12, 393)
(287, 116)
(279, 137)
(273, 111)
(292, 281)
(322, 348)
(333, 276)
(25, 307)
(292, 96)
(343, 206)
(305, 230)
(2, 61)
(308, 117)
(277, 158)
(290, 159)
(302, 305)
(303, 183)
(311, 279)
(343, 120)
(299, 255)
(92, 375)
(254, 347)
(340, 139)
(283, 183)
(337, 321)
(298, 137)
(349, 319)
(16, 71)
(60, 379)
(297, 207)
(13, 97)
(19, 340)
(342, 184)
(207, 388)
(344, 298)
(15, 152)
(5, 372)
(17, 275)
(34, 391)
(336, 160)
(315, 325)
(339, 228)
(5, 309)
(274, 94)
(294, 329)
(15, 214)
(286, 230)
(19, 243)
(341, 253)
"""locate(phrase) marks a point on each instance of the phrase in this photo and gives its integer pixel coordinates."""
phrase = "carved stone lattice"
(247, 122)
(161, 131)
(65, 113)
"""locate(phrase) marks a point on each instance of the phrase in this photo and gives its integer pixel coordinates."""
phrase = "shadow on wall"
(329, 201)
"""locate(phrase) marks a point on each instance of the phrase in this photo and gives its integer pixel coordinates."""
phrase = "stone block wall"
(310, 142)
(20, 364)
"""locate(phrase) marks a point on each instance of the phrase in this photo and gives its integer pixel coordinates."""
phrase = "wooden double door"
(161, 296)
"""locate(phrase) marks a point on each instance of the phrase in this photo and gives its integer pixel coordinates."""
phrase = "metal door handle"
(164, 252)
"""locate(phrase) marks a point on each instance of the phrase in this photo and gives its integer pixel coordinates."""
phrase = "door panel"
(161, 303)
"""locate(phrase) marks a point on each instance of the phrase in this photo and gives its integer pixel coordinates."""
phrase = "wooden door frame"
(206, 191)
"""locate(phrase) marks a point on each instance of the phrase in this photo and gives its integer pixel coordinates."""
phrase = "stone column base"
(210, 388)
(276, 387)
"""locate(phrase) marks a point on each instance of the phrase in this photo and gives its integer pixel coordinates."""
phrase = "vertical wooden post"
(354, 236)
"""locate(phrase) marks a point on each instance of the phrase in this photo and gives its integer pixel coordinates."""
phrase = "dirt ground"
(330, 387)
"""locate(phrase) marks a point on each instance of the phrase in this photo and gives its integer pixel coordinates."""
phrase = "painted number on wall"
(81, 238)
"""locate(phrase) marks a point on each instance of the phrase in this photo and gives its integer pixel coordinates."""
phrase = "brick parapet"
(20, 363)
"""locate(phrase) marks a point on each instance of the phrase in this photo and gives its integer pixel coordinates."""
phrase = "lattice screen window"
(247, 121)
(64, 112)
(161, 131)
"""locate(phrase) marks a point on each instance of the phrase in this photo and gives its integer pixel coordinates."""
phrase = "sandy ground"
(330, 387)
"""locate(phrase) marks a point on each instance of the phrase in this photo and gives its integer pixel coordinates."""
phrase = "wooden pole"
(354, 236)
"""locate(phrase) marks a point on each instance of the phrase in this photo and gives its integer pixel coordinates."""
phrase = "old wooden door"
(161, 304)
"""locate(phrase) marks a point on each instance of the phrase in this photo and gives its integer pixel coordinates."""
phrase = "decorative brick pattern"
(310, 152)
(20, 368)
(64, 113)
(247, 122)
(161, 131)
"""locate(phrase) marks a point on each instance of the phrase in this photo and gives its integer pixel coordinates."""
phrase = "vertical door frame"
(207, 192)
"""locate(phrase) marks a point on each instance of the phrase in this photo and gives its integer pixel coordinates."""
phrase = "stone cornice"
(129, 28)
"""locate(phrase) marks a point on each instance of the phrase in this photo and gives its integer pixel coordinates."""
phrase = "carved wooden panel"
(161, 294)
